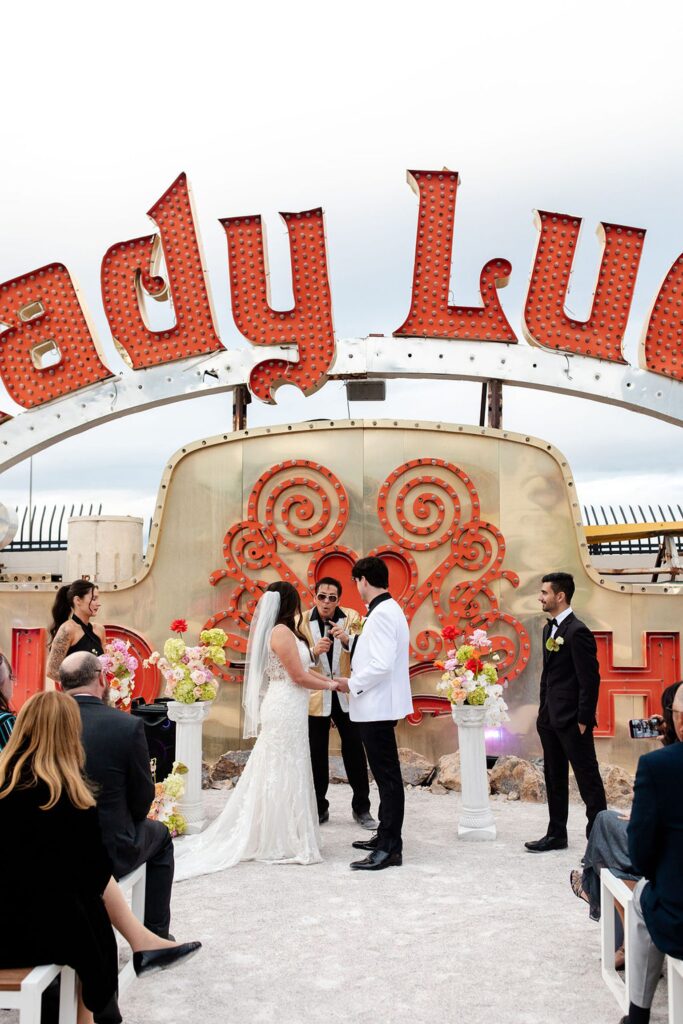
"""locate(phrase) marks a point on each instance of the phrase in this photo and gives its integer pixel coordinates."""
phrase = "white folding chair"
(22, 989)
(614, 890)
(133, 886)
(675, 985)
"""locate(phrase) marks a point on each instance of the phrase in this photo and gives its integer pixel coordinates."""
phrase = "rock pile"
(511, 777)
(225, 772)
(517, 779)
(415, 769)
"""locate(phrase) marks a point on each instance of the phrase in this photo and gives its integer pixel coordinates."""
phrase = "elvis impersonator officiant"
(379, 688)
(329, 629)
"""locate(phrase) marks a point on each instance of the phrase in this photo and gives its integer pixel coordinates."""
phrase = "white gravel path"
(472, 932)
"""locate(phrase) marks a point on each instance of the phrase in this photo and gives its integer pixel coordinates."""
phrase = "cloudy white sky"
(572, 108)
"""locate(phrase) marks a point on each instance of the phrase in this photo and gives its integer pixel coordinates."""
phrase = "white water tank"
(107, 549)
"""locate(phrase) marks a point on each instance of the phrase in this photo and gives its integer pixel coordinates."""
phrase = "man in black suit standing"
(655, 842)
(117, 760)
(570, 681)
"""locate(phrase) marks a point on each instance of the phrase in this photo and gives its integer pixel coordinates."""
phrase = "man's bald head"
(81, 672)
(677, 709)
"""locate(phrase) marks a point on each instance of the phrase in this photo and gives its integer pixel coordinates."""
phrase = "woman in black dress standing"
(52, 848)
(72, 630)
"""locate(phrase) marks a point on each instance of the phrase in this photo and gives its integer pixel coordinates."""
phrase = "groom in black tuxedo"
(570, 681)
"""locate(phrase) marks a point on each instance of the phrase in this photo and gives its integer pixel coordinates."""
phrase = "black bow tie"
(552, 622)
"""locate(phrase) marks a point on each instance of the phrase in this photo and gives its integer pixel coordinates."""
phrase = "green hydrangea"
(184, 692)
(477, 696)
(464, 653)
(174, 648)
(490, 673)
(215, 653)
(174, 786)
(176, 824)
(213, 637)
(208, 691)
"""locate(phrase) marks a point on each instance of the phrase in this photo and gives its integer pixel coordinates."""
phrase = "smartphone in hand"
(645, 728)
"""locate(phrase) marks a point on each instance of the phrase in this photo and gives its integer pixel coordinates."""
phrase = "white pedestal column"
(476, 817)
(189, 719)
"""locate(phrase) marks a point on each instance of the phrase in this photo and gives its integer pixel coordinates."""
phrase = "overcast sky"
(573, 109)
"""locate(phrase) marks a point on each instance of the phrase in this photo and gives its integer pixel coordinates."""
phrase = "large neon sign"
(49, 351)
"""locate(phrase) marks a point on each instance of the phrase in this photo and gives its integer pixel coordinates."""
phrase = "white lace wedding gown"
(271, 814)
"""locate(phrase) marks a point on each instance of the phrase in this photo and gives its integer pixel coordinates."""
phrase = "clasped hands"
(341, 685)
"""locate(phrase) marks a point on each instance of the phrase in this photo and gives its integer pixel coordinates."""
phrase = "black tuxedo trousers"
(561, 748)
(379, 740)
(352, 752)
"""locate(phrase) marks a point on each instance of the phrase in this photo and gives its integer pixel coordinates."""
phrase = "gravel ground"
(472, 931)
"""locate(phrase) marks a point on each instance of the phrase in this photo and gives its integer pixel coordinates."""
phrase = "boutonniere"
(356, 628)
(553, 643)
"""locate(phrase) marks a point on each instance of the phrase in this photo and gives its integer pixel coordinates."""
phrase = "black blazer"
(117, 760)
(655, 842)
(570, 679)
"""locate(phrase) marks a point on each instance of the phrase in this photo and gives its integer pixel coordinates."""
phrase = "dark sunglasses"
(326, 597)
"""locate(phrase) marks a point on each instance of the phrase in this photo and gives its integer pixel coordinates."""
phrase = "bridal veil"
(258, 648)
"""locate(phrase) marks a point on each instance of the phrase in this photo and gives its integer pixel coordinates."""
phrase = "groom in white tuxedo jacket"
(379, 688)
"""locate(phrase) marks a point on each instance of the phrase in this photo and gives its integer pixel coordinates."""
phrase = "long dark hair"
(290, 607)
(5, 667)
(669, 734)
(64, 602)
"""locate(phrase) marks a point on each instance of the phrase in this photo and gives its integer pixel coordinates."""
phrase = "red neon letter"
(47, 349)
(129, 267)
(546, 323)
(430, 313)
(308, 325)
(660, 349)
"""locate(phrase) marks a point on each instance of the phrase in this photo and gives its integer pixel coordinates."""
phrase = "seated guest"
(655, 839)
(51, 840)
(608, 842)
(48, 817)
(7, 716)
(117, 760)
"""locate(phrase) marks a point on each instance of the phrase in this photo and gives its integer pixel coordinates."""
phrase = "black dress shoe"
(365, 844)
(322, 818)
(377, 860)
(545, 844)
(149, 960)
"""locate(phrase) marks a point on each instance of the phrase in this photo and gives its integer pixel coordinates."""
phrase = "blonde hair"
(45, 746)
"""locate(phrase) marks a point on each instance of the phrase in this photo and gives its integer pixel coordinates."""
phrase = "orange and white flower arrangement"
(469, 678)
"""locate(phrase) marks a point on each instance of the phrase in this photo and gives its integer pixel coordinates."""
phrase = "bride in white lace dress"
(272, 814)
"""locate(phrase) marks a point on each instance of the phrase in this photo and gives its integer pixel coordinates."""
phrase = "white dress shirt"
(559, 619)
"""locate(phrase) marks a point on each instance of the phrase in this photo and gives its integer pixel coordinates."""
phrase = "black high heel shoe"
(148, 960)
